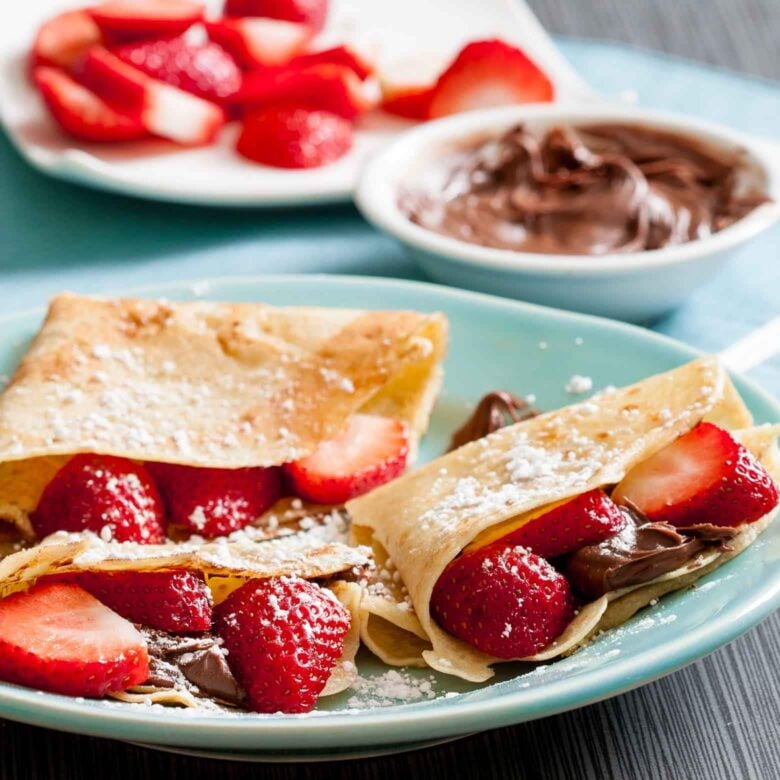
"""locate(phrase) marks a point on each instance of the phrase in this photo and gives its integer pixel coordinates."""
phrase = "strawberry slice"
(174, 601)
(162, 109)
(333, 88)
(489, 73)
(62, 39)
(204, 69)
(216, 502)
(294, 137)
(703, 477)
(504, 601)
(311, 12)
(587, 519)
(59, 638)
(257, 42)
(127, 20)
(338, 55)
(110, 496)
(370, 451)
(410, 102)
(82, 113)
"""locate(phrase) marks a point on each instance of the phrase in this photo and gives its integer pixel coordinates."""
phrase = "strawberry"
(59, 638)
(310, 12)
(333, 88)
(502, 600)
(128, 20)
(162, 109)
(257, 42)
(204, 69)
(82, 113)
(293, 137)
(409, 102)
(95, 492)
(370, 451)
(703, 477)
(587, 519)
(175, 601)
(488, 73)
(338, 55)
(62, 40)
(215, 502)
(284, 636)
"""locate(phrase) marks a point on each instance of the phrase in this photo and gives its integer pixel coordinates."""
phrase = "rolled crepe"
(223, 385)
(486, 488)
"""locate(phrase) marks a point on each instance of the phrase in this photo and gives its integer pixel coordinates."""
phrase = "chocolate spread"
(584, 191)
(494, 411)
(642, 551)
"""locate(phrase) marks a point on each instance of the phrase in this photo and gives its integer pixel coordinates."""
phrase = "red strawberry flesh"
(310, 12)
(59, 638)
(706, 476)
(110, 496)
(256, 42)
(502, 600)
(125, 20)
(408, 102)
(338, 55)
(284, 636)
(62, 39)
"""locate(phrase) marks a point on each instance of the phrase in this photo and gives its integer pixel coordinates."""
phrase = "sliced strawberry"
(703, 477)
(333, 88)
(489, 73)
(174, 601)
(310, 12)
(163, 110)
(129, 20)
(216, 502)
(82, 113)
(338, 55)
(255, 42)
(110, 496)
(204, 69)
(293, 137)
(59, 638)
(62, 39)
(503, 600)
(370, 451)
(284, 636)
(587, 519)
(408, 102)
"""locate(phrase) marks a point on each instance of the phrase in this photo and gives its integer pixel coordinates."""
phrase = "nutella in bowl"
(594, 189)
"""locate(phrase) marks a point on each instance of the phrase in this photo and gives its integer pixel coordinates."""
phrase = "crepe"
(423, 520)
(224, 385)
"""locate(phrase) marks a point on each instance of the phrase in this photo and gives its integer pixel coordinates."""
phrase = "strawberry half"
(504, 601)
(408, 102)
(333, 88)
(587, 519)
(294, 137)
(338, 55)
(310, 12)
(175, 601)
(489, 73)
(59, 638)
(284, 636)
(162, 109)
(81, 113)
(204, 69)
(98, 492)
(63, 39)
(370, 451)
(127, 20)
(703, 477)
(255, 42)
(216, 502)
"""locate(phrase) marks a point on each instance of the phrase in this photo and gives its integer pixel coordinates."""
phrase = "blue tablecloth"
(56, 236)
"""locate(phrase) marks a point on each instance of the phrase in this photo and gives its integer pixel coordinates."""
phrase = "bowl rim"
(377, 190)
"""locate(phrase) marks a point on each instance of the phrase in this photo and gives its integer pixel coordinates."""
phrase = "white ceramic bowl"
(632, 286)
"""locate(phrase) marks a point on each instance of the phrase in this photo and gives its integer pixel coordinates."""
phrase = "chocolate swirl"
(495, 410)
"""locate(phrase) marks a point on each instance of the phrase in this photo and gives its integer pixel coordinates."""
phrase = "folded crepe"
(226, 565)
(223, 385)
(422, 521)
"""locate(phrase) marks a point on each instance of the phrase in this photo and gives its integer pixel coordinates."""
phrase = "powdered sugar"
(392, 687)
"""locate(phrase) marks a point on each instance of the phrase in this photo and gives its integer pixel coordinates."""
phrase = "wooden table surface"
(718, 718)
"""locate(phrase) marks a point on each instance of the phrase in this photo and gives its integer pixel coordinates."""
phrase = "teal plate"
(495, 343)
